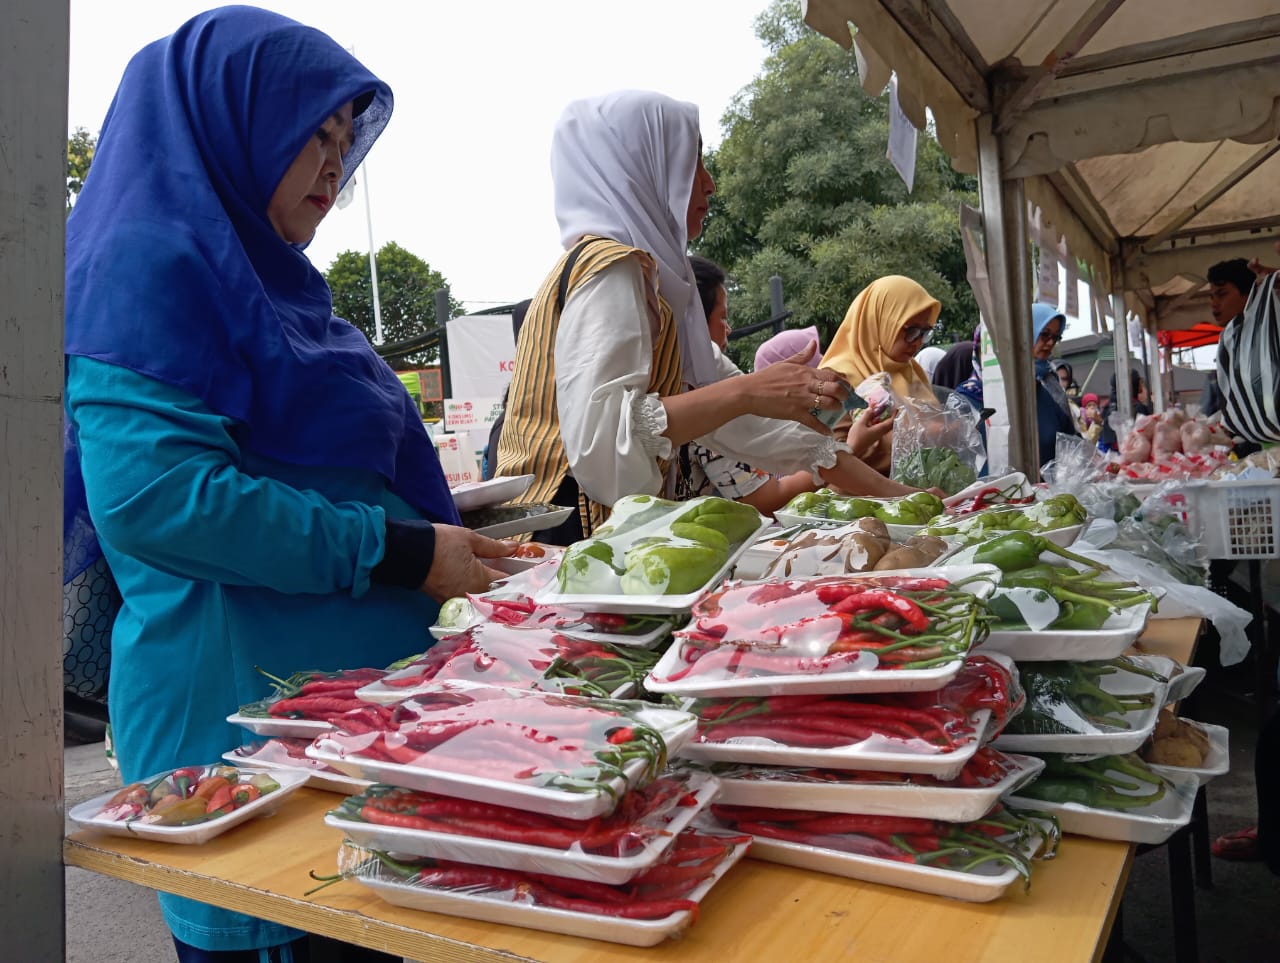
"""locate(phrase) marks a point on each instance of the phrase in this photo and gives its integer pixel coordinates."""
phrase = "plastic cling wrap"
(937, 447)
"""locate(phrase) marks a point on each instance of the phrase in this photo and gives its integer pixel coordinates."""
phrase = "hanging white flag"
(902, 139)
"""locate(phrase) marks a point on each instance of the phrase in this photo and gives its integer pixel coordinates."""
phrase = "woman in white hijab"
(615, 366)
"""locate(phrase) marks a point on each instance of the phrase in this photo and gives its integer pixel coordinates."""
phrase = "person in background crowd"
(1142, 400)
(785, 344)
(887, 324)
(706, 472)
(928, 358)
(490, 464)
(615, 368)
(1107, 437)
(1090, 417)
(1053, 410)
(257, 478)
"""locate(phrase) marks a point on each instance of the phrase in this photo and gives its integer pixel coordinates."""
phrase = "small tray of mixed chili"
(290, 755)
(612, 850)
(975, 861)
(871, 632)
(557, 755)
(190, 805)
(1088, 707)
(1111, 797)
(657, 905)
(986, 777)
(518, 657)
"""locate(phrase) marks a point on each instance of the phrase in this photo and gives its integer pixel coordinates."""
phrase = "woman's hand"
(792, 390)
(457, 567)
(865, 436)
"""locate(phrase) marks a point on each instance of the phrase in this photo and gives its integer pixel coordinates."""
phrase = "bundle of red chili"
(981, 683)
(987, 767)
(692, 859)
(504, 655)
(998, 837)
(560, 742)
(641, 816)
(991, 495)
(834, 624)
(317, 696)
(523, 611)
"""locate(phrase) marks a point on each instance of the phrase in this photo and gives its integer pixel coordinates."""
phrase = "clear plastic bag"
(937, 447)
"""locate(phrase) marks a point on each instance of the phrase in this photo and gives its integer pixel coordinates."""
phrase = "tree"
(80, 148)
(406, 292)
(804, 191)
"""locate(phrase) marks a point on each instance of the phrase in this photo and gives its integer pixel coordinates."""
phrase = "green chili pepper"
(1062, 790)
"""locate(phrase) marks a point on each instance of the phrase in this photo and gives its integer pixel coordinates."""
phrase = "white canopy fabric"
(1148, 131)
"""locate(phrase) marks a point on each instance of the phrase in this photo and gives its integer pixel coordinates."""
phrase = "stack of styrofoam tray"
(524, 857)
(1216, 763)
(284, 728)
(1103, 742)
(472, 495)
(316, 778)
(951, 803)
(1073, 645)
(494, 908)
(1151, 825)
(976, 887)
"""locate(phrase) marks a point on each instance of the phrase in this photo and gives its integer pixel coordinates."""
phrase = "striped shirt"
(531, 442)
(1249, 366)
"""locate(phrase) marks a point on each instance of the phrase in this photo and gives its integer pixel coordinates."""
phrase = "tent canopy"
(1147, 131)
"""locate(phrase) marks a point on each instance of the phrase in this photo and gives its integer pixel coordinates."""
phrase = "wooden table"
(759, 911)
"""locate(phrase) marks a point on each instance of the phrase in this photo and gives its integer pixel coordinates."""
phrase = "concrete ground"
(110, 921)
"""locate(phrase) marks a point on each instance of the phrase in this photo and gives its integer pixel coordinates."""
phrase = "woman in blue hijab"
(1053, 410)
(256, 477)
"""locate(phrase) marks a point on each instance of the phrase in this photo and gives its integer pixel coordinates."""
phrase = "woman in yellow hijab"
(887, 324)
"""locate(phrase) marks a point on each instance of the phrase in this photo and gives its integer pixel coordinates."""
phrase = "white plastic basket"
(1235, 519)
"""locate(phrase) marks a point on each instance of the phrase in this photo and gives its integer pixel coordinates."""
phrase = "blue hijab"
(175, 272)
(1041, 315)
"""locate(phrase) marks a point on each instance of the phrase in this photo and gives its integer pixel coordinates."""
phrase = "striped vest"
(1249, 366)
(530, 442)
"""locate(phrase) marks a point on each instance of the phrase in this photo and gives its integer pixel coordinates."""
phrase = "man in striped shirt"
(1249, 349)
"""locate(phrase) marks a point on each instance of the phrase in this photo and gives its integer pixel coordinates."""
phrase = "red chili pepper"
(916, 621)
(309, 706)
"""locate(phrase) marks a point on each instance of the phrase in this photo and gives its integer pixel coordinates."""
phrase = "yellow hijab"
(860, 346)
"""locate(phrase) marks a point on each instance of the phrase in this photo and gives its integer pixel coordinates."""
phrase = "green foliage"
(80, 148)
(406, 291)
(804, 191)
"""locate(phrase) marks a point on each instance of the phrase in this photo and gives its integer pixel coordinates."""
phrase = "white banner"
(457, 459)
(482, 354)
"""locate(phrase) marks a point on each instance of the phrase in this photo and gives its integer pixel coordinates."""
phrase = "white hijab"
(622, 167)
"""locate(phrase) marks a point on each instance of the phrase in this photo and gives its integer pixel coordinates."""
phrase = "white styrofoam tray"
(496, 909)
(86, 814)
(1012, 479)
(956, 804)
(675, 727)
(380, 693)
(840, 682)
(1184, 683)
(1075, 645)
(495, 491)
(1150, 824)
(896, 532)
(878, 754)
(972, 887)
(530, 523)
(316, 778)
(1216, 763)
(575, 864)
(1104, 742)
(284, 728)
(550, 593)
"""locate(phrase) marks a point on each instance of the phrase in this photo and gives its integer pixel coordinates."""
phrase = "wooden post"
(33, 167)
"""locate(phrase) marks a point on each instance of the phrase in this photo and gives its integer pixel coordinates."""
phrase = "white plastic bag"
(1180, 600)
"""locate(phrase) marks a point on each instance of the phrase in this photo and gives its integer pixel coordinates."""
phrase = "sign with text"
(474, 418)
(457, 459)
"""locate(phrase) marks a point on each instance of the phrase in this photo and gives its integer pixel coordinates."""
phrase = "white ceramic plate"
(878, 754)
(1104, 742)
(1216, 763)
(973, 887)
(530, 523)
(86, 814)
(955, 804)
(316, 779)
(1074, 645)
(645, 604)
(574, 864)
(495, 909)
(863, 680)
(676, 729)
(495, 491)
(1151, 824)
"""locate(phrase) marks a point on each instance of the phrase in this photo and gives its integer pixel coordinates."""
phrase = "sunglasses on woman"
(913, 334)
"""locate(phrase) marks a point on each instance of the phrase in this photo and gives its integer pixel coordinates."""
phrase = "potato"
(1166, 725)
(903, 557)
(1175, 752)
(874, 527)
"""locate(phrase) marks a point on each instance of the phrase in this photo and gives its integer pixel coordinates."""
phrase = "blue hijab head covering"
(1041, 315)
(174, 270)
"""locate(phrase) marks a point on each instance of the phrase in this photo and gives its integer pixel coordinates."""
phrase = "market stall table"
(760, 910)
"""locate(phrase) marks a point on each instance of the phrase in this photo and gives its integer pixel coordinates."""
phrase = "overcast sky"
(461, 177)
